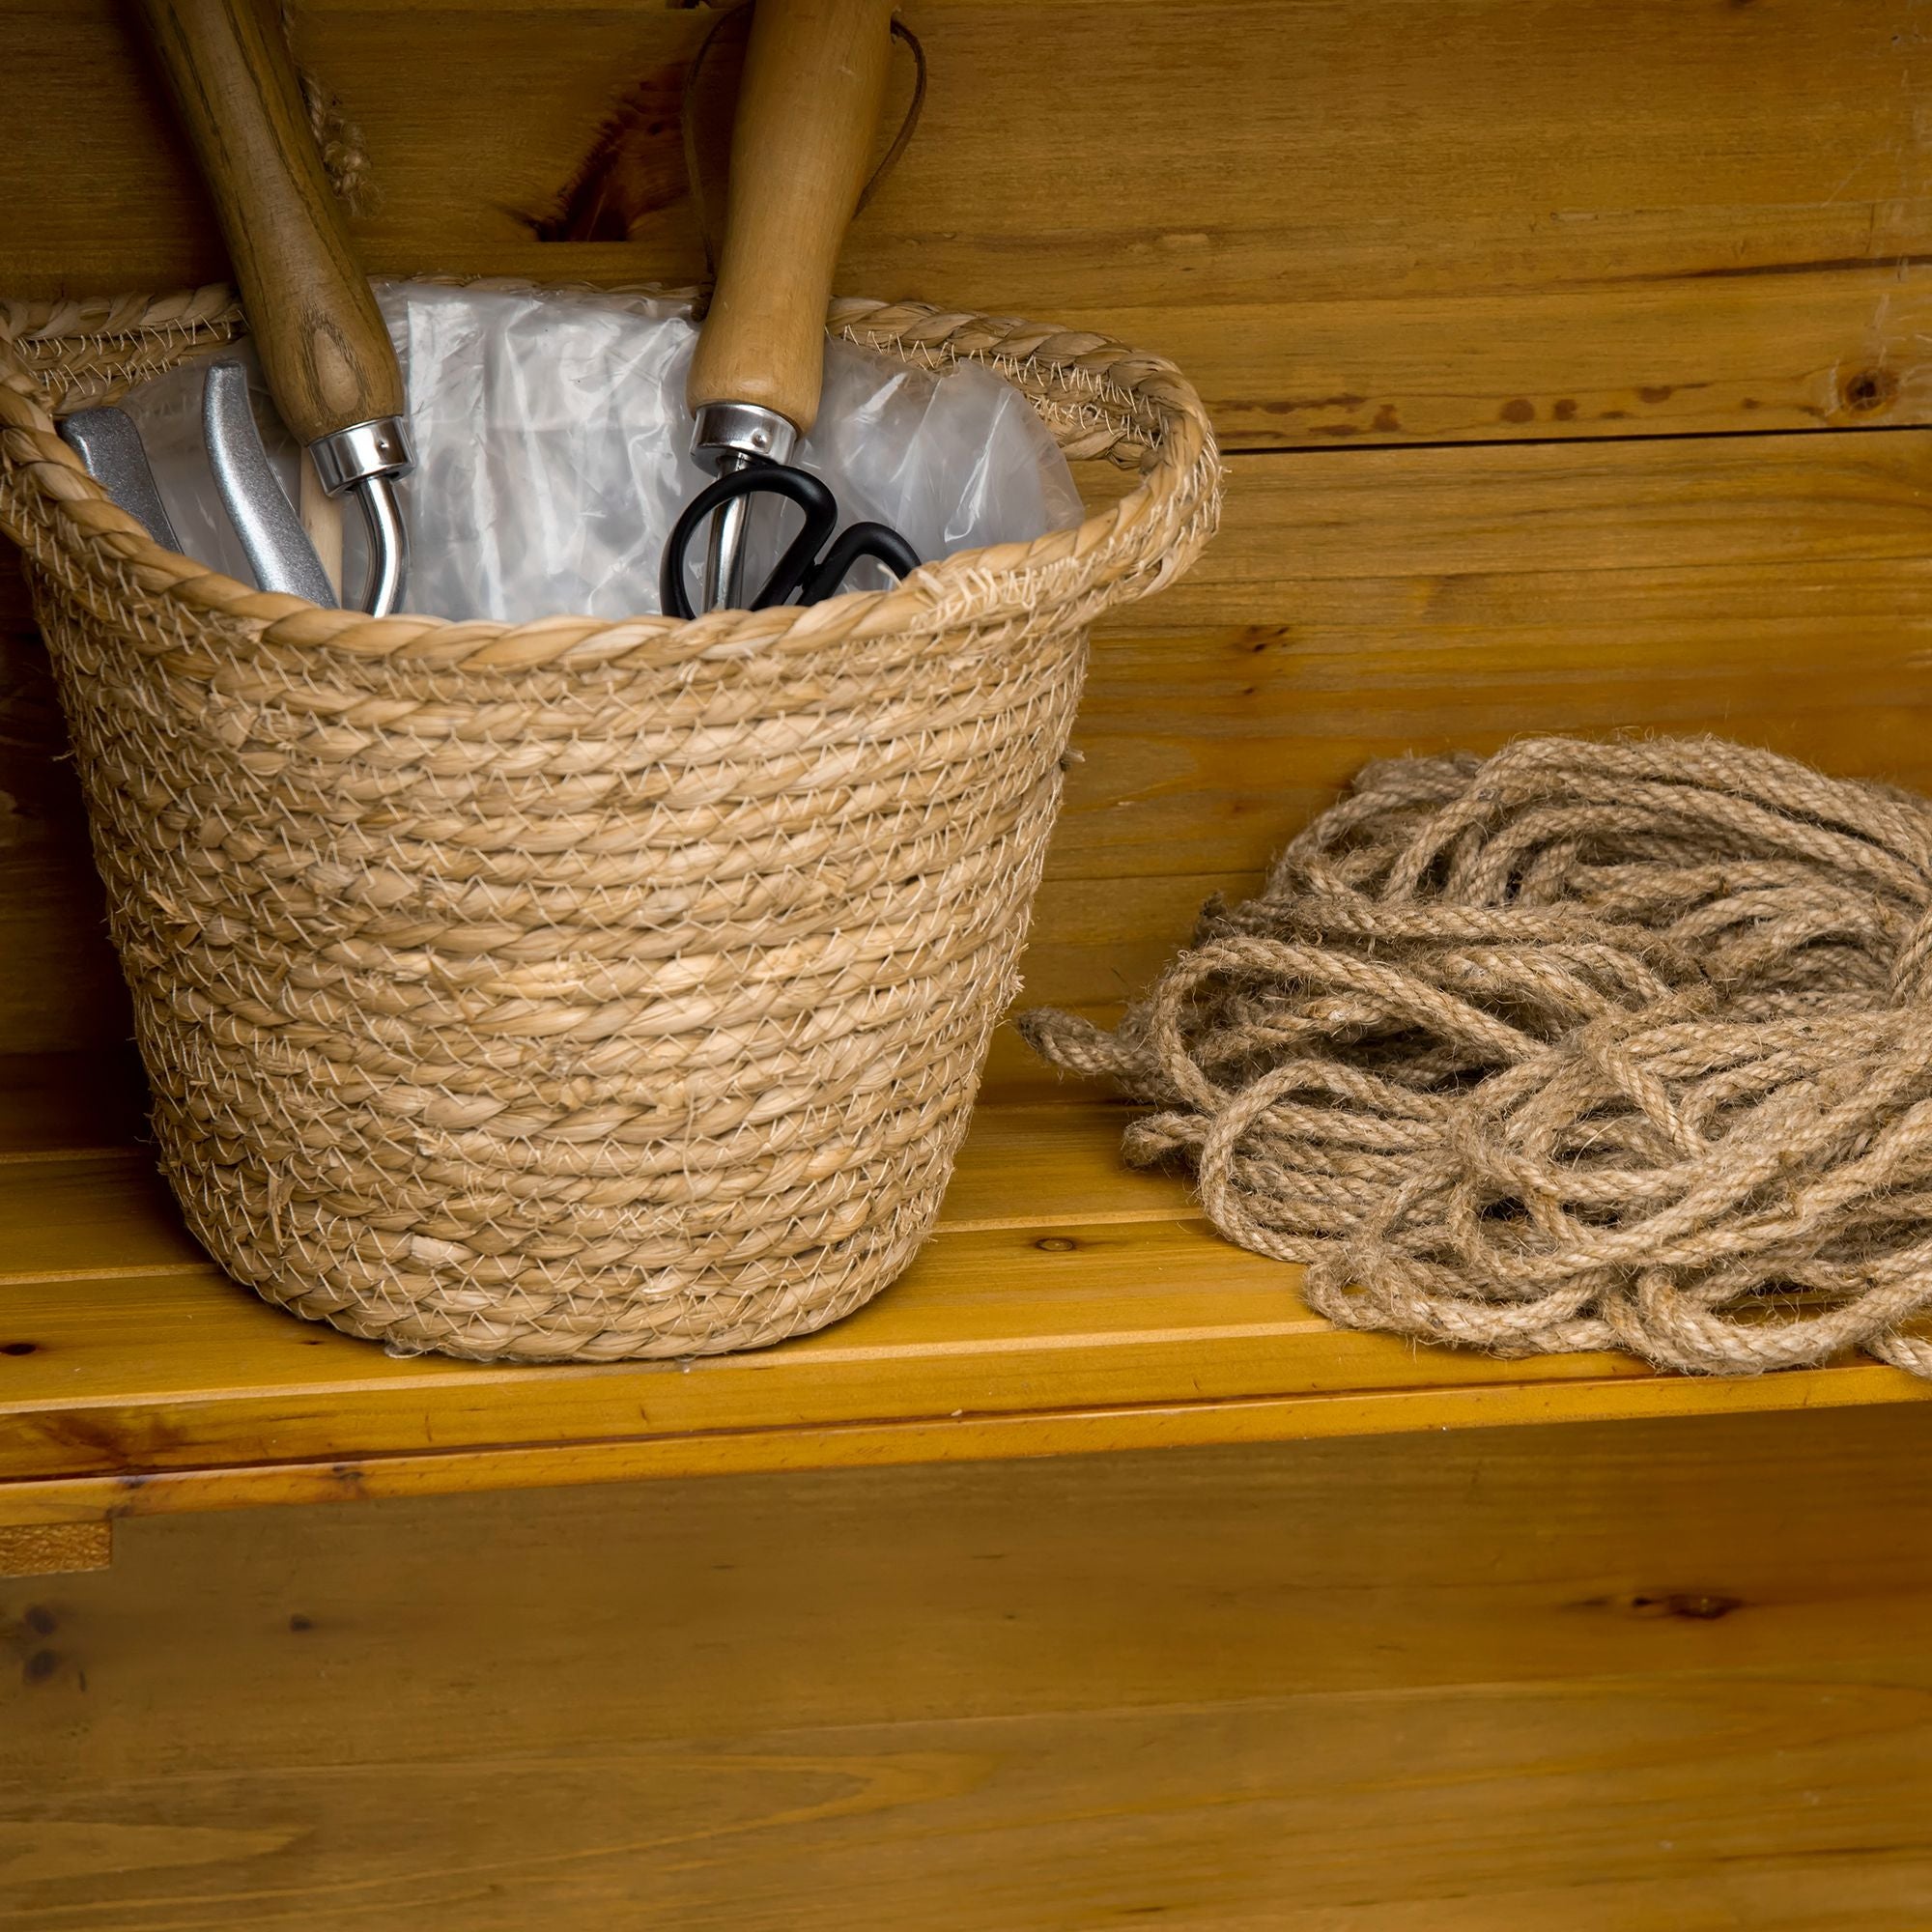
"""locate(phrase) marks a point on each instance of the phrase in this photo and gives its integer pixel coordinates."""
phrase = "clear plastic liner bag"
(553, 447)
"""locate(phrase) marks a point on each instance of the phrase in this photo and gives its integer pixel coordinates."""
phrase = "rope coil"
(1585, 1046)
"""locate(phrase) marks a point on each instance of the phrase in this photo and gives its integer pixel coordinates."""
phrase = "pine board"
(1352, 221)
(1612, 1678)
(1066, 1306)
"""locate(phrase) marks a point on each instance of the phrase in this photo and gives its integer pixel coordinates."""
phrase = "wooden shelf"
(1064, 1306)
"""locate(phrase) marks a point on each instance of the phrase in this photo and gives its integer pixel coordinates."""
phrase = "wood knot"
(1697, 1607)
(1869, 390)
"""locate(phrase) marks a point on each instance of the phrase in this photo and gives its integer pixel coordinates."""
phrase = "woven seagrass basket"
(575, 990)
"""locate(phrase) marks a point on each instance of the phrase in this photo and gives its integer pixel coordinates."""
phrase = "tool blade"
(109, 448)
(277, 547)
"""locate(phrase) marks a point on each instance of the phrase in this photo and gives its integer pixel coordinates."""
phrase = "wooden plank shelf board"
(1066, 1306)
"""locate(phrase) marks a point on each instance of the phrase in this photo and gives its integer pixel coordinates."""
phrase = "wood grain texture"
(59, 988)
(1351, 221)
(1067, 1306)
(1358, 604)
(1773, 589)
(55, 1548)
(1615, 1679)
(1663, 1668)
(62, 1104)
(1332, 213)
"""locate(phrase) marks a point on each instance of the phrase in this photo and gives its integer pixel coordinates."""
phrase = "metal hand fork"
(276, 546)
(109, 448)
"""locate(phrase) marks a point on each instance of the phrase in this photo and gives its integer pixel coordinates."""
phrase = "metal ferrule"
(746, 430)
(379, 447)
(727, 437)
(367, 457)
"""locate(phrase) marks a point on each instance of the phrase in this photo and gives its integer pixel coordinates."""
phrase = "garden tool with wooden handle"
(325, 351)
(808, 104)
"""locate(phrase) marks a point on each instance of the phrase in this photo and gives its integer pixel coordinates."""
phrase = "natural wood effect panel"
(62, 1104)
(1612, 1679)
(940, 1654)
(1066, 1306)
(1351, 220)
(1773, 589)
(55, 1548)
(60, 990)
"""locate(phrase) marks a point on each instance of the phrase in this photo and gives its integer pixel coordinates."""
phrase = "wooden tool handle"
(809, 108)
(323, 349)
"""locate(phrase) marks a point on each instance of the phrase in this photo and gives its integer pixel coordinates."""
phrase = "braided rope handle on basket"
(1101, 399)
(89, 350)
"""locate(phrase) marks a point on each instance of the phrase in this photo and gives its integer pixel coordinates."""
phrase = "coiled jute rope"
(1583, 1046)
(575, 990)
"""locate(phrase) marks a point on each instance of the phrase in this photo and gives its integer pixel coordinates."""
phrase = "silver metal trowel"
(109, 448)
(280, 554)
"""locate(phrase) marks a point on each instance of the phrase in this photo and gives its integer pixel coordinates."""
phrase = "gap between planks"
(962, 1436)
(1593, 439)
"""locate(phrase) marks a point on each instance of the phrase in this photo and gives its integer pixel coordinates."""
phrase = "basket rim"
(1100, 397)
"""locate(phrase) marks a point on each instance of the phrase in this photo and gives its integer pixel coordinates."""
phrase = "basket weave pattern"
(574, 990)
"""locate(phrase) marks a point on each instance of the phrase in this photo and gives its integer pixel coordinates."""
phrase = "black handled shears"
(814, 563)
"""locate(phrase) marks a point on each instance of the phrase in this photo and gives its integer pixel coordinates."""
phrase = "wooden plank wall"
(1569, 359)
